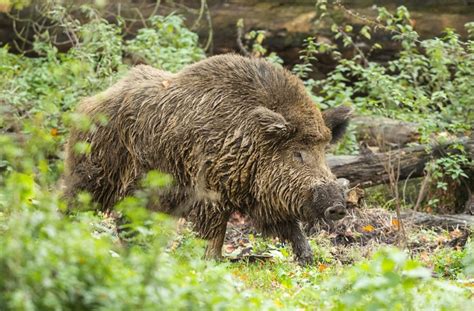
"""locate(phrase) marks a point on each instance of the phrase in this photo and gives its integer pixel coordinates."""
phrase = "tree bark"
(384, 132)
(288, 23)
(439, 221)
(372, 169)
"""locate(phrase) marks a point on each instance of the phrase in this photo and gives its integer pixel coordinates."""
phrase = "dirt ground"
(363, 230)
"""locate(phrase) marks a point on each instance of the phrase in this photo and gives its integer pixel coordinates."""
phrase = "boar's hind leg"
(210, 222)
(293, 233)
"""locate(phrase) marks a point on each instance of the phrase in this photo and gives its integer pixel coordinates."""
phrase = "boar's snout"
(330, 199)
(335, 212)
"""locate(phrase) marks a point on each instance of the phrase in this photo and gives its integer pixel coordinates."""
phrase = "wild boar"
(236, 134)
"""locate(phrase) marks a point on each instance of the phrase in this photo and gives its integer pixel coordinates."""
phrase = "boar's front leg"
(210, 222)
(214, 244)
(293, 233)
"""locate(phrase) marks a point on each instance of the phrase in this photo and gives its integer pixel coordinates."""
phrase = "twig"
(365, 62)
(422, 193)
(201, 12)
(210, 38)
(142, 19)
(405, 185)
(155, 8)
(240, 33)
(393, 180)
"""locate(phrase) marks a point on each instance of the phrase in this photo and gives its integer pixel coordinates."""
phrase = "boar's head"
(292, 176)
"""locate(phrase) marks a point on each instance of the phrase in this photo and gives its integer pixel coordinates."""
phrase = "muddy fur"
(236, 134)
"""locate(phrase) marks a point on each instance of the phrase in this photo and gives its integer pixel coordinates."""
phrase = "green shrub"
(167, 44)
(449, 262)
(54, 82)
(389, 281)
(49, 261)
(429, 81)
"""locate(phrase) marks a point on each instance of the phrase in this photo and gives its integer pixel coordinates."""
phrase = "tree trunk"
(372, 169)
(384, 132)
(439, 221)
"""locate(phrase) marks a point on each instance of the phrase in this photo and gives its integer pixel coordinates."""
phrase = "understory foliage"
(54, 82)
(428, 82)
(54, 259)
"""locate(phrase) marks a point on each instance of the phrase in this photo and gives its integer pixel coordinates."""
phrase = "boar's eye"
(298, 156)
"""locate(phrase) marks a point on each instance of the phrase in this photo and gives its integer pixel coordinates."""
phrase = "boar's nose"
(335, 212)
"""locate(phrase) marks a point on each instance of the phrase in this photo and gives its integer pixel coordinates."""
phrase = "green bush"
(49, 261)
(428, 82)
(389, 281)
(449, 262)
(167, 44)
(53, 83)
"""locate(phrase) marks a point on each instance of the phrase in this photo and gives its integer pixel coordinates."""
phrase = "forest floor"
(355, 237)
(267, 264)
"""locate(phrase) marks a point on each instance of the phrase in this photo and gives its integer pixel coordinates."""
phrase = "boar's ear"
(271, 122)
(337, 120)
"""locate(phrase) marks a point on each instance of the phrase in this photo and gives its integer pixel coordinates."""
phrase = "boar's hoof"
(213, 253)
(305, 259)
(214, 248)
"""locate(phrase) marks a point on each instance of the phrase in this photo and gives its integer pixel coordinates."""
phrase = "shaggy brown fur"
(235, 133)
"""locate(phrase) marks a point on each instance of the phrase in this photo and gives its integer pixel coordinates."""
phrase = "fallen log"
(288, 23)
(438, 221)
(373, 168)
(384, 133)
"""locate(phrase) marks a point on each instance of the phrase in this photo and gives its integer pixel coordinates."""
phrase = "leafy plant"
(49, 261)
(391, 281)
(166, 44)
(449, 263)
(255, 47)
(429, 82)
